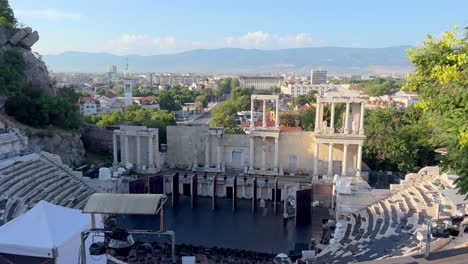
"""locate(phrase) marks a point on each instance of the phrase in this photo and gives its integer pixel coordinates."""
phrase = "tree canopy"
(378, 86)
(440, 78)
(223, 114)
(136, 115)
(7, 17)
(30, 105)
(397, 140)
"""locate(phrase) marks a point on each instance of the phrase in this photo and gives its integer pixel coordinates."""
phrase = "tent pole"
(83, 248)
(93, 221)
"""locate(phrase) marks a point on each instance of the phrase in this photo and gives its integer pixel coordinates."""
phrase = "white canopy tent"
(47, 231)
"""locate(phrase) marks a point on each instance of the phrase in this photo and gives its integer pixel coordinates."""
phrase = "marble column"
(218, 154)
(122, 149)
(138, 150)
(251, 153)
(330, 159)
(150, 152)
(252, 112)
(207, 152)
(346, 129)
(114, 148)
(156, 149)
(264, 154)
(277, 113)
(345, 160)
(361, 119)
(275, 166)
(264, 114)
(316, 159)
(126, 149)
(332, 118)
(317, 116)
(359, 160)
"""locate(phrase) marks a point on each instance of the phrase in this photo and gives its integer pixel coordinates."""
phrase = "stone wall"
(67, 145)
(97, 138)
(186, 144)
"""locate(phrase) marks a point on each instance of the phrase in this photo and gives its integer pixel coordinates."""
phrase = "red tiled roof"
(110, 95)
(146, 98)
(88, 99)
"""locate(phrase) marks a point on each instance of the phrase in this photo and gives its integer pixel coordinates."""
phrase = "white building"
(128, 85)
(261, 82)
(303, 89)
(195, 87)
(89, 105)
(111, 72)
(318, 76)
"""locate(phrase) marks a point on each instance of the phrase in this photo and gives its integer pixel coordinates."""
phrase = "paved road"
(203, 119)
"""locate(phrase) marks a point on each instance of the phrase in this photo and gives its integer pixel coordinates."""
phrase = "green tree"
(307, 118)
(397, 140)
(224, 86)
(289, 119)
(11, 72)
(378, 86)
(167, 102)
(7, 17)
(440, 78)
(234, 83)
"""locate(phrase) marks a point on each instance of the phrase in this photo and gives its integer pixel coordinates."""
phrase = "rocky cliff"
(35, 72)
(65, 144)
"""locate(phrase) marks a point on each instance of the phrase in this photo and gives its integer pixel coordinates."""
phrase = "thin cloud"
(48, 14)
(141, 44)
(260, 39)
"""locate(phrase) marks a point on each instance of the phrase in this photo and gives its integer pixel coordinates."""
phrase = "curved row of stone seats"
(9, 176)
(387, 227)
(25, 181)
(28, 176)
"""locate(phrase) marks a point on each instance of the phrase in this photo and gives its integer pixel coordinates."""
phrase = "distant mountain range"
(240, 61)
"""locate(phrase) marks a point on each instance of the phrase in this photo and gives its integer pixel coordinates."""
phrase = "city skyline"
(155, 27)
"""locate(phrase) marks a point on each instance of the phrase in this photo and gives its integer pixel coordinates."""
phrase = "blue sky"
(149, 27)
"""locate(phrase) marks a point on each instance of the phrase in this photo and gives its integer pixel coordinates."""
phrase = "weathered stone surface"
(18, 36)
(4, 35)
(97, 138)
(35, 72)
(67, 145)
(28, 41)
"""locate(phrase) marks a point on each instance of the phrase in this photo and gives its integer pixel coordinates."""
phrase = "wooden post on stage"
(254, 194)
(234, 195)
(161, 220)
(275, 196)
(93, 221)
(194, 191)
(215, 181)
(175, 189)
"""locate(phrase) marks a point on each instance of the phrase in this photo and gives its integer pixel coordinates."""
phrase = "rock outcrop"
(97, 138)
(65, 144)
(35, 72)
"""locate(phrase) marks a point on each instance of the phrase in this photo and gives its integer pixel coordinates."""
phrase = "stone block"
(29, 41)
(18, 36)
